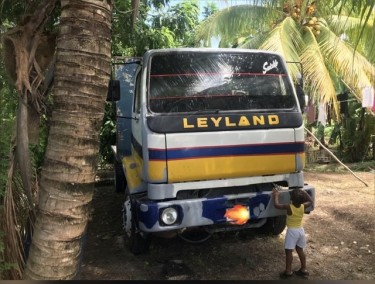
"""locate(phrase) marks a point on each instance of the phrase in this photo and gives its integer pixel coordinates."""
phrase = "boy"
(295, 234)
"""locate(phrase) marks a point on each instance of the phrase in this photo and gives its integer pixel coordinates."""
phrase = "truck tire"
(120, 181)
(138, 242)
(274, 225)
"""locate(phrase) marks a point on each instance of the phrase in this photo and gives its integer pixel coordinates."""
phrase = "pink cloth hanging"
(368, 97)
(322, 113)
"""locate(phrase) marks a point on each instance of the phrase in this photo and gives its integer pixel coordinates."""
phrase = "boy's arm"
(308, 199)
(276, 199)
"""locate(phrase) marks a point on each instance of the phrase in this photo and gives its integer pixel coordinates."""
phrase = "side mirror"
(301, 97)
(113, 94)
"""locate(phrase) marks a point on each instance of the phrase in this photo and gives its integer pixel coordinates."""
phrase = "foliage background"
(159, 24)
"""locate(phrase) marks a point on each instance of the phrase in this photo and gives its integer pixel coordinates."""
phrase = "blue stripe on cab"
(240, 150)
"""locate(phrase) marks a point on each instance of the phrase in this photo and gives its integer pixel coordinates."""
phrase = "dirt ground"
(340, 234)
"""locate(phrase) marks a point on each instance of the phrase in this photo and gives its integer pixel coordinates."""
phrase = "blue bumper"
(211, 211)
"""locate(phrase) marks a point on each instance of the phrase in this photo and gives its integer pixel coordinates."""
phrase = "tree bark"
(22, 153)
(69, 168)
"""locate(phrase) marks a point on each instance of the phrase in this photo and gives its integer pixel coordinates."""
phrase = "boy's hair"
(297, 196)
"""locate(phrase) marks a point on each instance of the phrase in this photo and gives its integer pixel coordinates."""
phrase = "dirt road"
(340, 232)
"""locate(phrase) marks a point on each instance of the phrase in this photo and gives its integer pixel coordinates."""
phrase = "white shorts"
(295, 237)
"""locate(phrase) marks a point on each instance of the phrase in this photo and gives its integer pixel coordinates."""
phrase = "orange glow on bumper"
(238, 215)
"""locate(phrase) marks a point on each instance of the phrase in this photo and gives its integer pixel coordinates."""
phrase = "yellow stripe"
(229, 167)
(157, 171)
(133, 168)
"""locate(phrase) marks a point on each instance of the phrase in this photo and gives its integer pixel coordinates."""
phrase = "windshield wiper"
(207, 111)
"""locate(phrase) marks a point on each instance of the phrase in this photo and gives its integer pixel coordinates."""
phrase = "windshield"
(196, 82)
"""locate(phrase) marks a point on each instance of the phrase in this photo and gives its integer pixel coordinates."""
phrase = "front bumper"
(211, 211)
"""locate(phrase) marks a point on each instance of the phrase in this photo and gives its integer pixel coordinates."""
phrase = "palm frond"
(285, 39)
(234, 20)
(351, 27)
(254, 42)
(363, 9)
(317, 78)
(14, 222)
(353, 68)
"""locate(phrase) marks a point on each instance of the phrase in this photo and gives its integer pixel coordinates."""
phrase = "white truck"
(203, 136)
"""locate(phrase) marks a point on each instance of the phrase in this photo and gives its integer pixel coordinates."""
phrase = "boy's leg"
(302, 257)
(288, 261)
(289, 245)
(301, 243)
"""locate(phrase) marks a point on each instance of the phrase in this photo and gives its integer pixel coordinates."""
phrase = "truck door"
(125, 71)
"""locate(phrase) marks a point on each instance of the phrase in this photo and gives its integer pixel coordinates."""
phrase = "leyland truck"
(202, 138)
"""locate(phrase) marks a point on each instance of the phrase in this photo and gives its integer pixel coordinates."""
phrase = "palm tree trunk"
(69, 168)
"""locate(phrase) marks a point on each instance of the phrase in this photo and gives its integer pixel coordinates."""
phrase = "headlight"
(169, 216)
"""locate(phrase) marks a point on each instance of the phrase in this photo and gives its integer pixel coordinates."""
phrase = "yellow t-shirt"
(295, 220)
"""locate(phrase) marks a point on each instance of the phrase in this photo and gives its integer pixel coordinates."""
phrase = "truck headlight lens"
(169, 216)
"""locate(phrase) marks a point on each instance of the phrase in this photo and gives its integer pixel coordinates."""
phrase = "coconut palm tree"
(333, 40)
(69, 168)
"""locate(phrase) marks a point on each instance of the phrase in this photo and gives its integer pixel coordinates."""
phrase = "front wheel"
(138, 242)
(274, 225)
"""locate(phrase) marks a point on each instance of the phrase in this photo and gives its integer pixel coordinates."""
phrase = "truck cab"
(203, 136)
